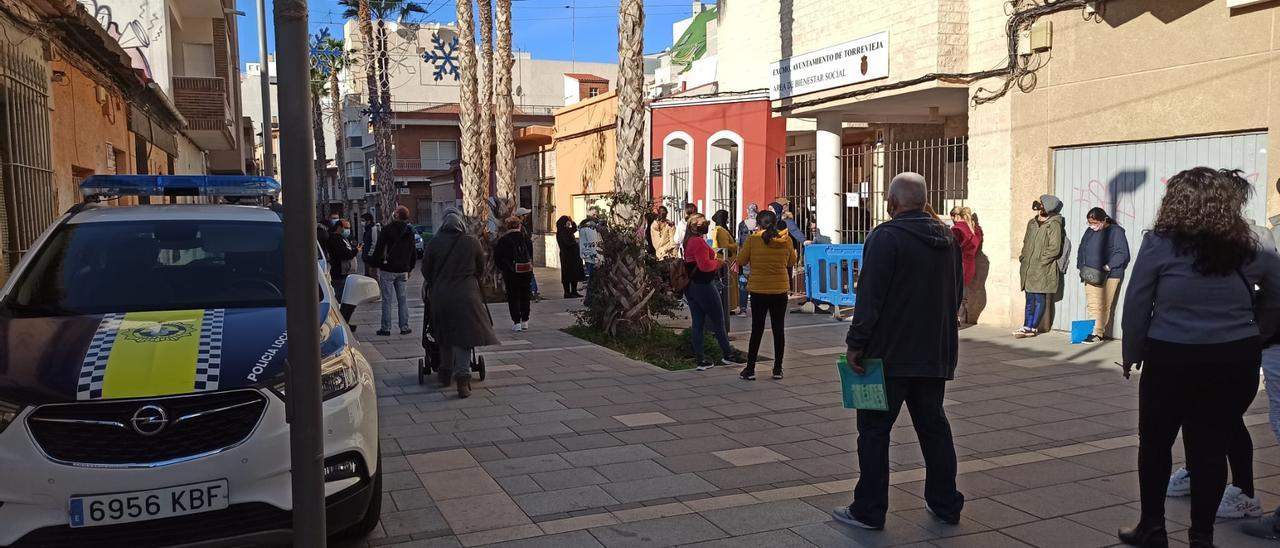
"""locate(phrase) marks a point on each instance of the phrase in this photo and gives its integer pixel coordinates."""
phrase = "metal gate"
(865, 172)
(797, 186)
(26, 163)
(1128, 181)
(724, 192)
(679, 189)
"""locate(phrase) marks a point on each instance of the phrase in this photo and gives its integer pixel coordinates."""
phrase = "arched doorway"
(724, 166)
(677, 162)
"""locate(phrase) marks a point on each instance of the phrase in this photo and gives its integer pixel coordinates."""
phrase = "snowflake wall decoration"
(444, 57)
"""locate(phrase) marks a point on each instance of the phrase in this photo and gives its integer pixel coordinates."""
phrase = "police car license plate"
(194, 498)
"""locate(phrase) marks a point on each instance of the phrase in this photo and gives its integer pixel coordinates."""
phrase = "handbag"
(1092, 276)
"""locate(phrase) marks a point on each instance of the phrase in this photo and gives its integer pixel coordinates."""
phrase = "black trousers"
(519, 294)
(1204, 389)
(924, 400)
(774, 306)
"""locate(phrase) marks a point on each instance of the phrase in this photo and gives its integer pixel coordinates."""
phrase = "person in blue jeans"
(396, 257)
(703, 296)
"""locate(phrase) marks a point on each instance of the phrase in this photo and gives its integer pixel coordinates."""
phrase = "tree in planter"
(629, 288)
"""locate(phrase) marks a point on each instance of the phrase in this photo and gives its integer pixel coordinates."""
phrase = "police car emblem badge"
(160, 332)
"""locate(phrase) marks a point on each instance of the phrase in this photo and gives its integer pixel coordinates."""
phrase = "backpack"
(1064, 260)
(678, 274)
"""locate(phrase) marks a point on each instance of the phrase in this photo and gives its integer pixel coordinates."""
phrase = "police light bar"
(179, 185)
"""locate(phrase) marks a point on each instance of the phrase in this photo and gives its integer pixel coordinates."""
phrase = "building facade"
(1096, 102)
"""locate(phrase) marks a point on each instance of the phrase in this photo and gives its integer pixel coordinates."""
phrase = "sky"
(548, 29)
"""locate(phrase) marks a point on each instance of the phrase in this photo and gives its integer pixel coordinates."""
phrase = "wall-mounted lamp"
(100, 93)
(59, 76)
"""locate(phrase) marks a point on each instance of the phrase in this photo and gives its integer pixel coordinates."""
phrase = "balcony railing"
(203, 102)
(417, 164)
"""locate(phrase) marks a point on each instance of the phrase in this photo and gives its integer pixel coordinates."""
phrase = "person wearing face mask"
(1042, 247)
(340, 250)
(1101, 260)
(908, 295)
(702, 296)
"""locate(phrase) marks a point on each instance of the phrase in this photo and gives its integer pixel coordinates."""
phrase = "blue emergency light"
(179, 185)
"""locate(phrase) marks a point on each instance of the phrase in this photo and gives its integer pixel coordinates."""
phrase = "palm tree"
(317, 134)
(626, 285)
(330, 59)
(378, 83)
(473, 189)
(506, 168)
(485, 80)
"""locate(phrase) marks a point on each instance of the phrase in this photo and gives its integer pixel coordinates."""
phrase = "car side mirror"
(359, 290)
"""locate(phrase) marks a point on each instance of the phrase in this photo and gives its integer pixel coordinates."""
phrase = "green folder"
(865, 391)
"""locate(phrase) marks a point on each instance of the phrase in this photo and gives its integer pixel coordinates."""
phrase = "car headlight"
(337, 376)
(8, 412)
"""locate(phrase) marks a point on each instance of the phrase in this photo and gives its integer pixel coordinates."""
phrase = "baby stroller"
(430, 362)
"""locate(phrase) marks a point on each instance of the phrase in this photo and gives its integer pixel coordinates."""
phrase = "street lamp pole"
(306, 449)
(264, 74)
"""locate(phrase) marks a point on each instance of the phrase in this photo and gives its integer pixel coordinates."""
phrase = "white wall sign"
(861, 60)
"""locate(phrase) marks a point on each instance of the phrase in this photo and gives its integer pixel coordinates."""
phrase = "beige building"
(1107, 100)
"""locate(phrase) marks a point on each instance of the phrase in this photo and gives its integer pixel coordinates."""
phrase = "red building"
(718, 152)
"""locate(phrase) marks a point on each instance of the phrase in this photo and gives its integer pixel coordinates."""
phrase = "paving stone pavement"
(568, 444)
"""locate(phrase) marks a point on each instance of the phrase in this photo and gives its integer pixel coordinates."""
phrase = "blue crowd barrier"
(831, 273)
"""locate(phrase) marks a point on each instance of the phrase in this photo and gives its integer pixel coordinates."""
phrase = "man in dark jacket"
(908, 296)
(396, 256)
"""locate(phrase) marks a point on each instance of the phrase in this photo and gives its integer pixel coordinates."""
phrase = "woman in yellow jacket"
(770, 256)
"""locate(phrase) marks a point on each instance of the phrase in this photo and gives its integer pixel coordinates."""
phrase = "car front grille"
(239, 519)
(133, 433)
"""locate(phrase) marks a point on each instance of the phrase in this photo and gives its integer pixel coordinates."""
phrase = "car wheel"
(372, 513)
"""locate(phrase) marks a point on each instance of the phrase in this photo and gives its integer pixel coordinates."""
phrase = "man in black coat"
(908, 295)
(396, 256)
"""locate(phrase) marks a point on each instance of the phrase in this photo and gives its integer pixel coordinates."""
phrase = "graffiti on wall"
(134, 25)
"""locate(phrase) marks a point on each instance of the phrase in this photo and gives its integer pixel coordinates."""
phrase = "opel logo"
(149, 420)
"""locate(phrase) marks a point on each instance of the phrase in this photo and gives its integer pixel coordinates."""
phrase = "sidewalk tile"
(525, 465)
(422, 520)
(578, 523)
(1048, 472)
(564, 479)
(748, 456)
(493, 536)
(669, 531)
(644, 419)
(787, 493)
(771, 539)
(628, 471)
(609, 455)
(655, 511)
(564, 500)
(1059, 500)
(1059, 533)
(658, 488)
(483, 513)
(989, 539)
(530, 448)
(439, 461)
(726, 501)
(744, 520)
(454, 484)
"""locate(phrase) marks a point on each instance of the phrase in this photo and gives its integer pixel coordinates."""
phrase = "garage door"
(1128, 181)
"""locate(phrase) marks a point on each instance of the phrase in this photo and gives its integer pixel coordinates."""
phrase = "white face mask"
(1096, 228)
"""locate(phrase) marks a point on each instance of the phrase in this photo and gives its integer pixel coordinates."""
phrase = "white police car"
(142, 353)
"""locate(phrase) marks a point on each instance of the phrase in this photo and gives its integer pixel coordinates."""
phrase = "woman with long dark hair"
(770, 255)
(1101, 260)
(571, 269)
(703, 299)
(1190, 327)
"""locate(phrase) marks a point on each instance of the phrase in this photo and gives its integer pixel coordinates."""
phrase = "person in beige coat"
(663, 234)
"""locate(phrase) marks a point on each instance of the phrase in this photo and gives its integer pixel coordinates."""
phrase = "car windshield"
(95, 268)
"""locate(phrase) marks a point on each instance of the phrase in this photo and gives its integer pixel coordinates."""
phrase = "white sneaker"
(1179, 484)
(1236, 505)
(524, 326)
(515, 327)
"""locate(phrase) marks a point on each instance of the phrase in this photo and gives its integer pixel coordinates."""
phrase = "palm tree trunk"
(484, 79)
(317, 133)
(629, 174)
(387, 190)
(473, 190)
(339, 141)
(381, 145)
(506, 167)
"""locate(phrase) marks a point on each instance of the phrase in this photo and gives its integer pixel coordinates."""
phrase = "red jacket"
(969, 242)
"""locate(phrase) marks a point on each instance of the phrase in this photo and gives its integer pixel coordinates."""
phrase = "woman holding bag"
(1102, 258)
